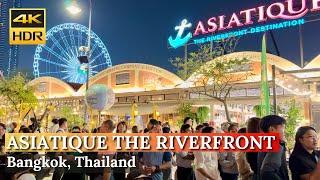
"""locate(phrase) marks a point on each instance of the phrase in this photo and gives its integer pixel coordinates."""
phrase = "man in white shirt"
(227, 160)
(206, 163)
(185, 160)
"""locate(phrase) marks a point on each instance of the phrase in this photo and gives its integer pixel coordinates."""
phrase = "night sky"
(137, 30)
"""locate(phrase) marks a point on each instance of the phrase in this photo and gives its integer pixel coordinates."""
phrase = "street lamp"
(73, 8)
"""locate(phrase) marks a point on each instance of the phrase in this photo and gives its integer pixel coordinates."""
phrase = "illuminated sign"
(179, 41)
(27, 26)
(214, 25)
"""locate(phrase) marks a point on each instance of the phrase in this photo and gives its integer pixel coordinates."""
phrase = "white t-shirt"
(54, 128)
(185, 163)
(27, 176)
(60, 130)
(207, 161)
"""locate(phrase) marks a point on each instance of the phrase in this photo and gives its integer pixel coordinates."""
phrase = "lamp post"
(73, 8)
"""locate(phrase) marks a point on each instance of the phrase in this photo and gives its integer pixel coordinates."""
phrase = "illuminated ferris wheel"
(59, 56)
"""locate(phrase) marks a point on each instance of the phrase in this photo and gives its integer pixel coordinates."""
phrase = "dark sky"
(137, 30)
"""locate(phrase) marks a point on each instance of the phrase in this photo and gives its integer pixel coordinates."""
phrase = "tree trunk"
(226, 110)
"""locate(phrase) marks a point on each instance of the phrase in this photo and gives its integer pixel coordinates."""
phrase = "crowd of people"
(199, 165)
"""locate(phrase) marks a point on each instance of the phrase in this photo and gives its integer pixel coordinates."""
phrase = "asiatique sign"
(212, 27)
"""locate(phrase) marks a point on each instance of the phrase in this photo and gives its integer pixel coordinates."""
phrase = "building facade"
(149, 87)
(9, 55)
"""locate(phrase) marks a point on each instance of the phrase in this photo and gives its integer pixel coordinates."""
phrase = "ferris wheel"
(59, 56)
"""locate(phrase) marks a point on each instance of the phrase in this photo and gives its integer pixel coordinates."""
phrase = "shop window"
(238, 93)
(253, 92)
(157, 97)
(279, 91)
(131, 99)
(144, 98)
(198, 96)
(171, 96)
(122, 99)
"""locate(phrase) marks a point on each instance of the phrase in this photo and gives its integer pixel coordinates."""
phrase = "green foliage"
(26, 73)
(184, 110)
(17, 93)
(2, 112)
(202, 114)
(73, 119)
(218, 73)
(293, 117)
(187, 66)
(213, 79)
(216, 79)
(257, 110)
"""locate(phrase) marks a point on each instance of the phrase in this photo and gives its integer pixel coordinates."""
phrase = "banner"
(265, 99)
(143, 142)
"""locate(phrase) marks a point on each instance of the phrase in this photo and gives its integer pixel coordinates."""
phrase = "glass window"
(122, 99)
(131, 99)
(157, 97)
(171, 96)
(144, 98)
(253, 92)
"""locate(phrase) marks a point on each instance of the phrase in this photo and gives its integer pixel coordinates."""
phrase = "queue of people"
(200, 165)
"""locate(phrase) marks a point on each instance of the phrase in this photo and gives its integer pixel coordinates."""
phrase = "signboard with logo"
(212, 27)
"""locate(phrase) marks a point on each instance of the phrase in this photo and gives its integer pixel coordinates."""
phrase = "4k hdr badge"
(27, 26)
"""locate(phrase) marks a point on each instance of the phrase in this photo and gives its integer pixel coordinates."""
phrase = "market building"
(153, 89)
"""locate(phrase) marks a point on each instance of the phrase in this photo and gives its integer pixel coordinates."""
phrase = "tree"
(19, 95)
(292, 113)
(26, 73)
(73, 119)
(257, 110)
(214, 79)
(188, 65)
(184, 110)
(293, 117)
(202, 114)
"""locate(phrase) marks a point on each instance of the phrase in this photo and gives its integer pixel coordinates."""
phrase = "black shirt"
(252, 158)
(302, 162)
